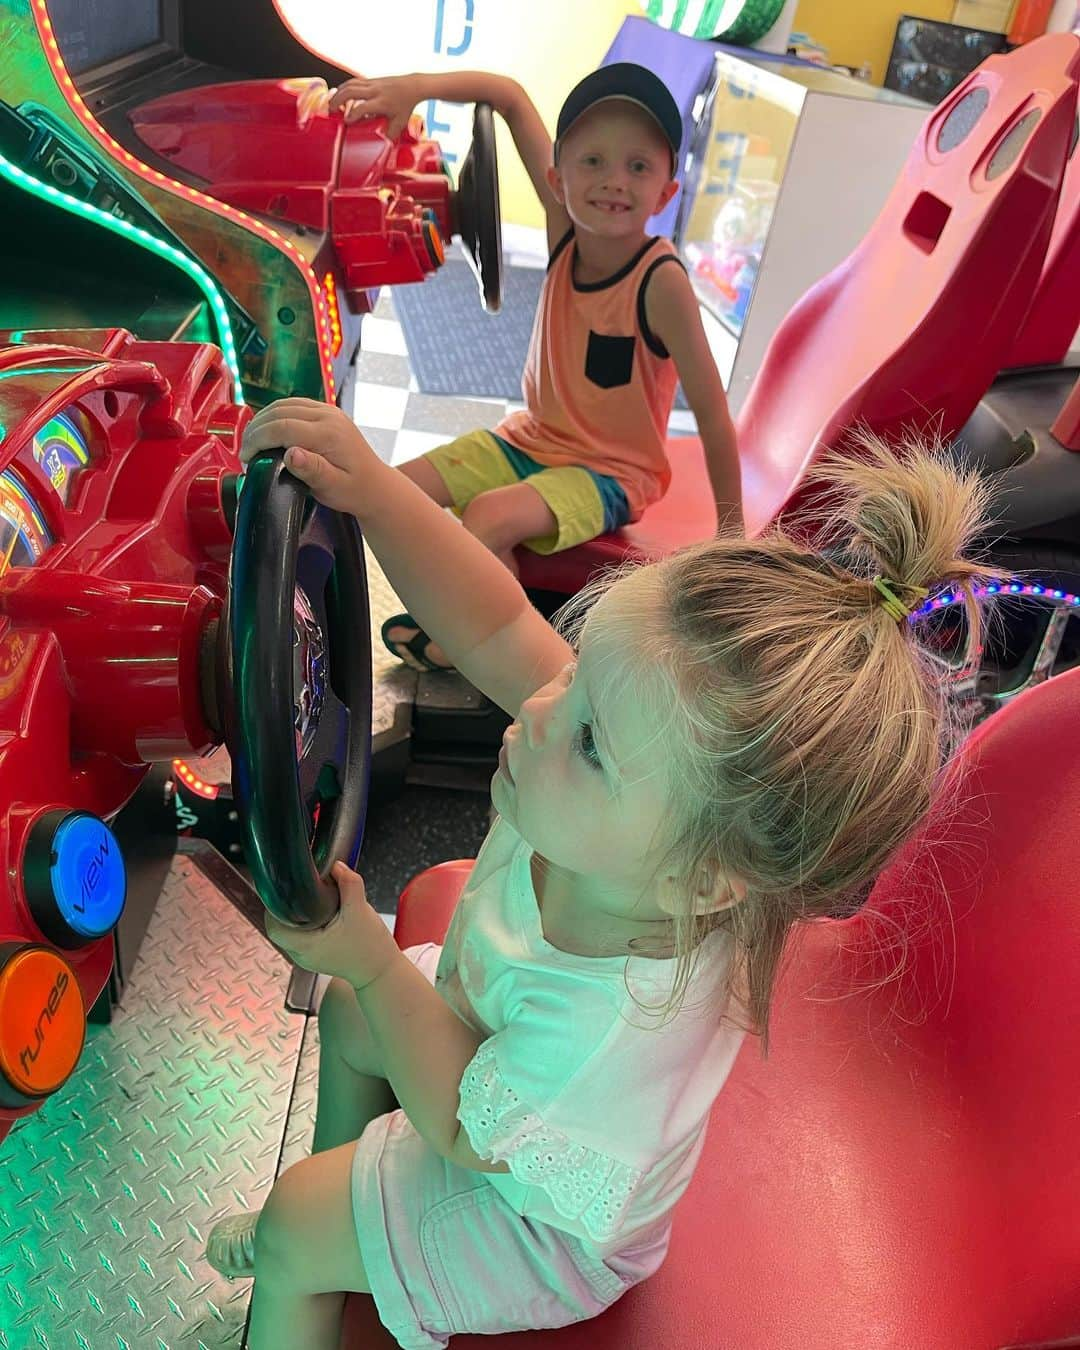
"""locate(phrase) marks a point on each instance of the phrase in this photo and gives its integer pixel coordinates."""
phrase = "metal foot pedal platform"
(176, 1115)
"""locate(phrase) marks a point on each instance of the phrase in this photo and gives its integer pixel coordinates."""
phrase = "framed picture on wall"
(929, 59)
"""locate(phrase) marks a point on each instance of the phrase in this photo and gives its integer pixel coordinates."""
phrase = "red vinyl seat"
(912, 328)
(903, 1170)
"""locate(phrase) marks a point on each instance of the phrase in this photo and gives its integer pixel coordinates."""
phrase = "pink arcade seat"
(912, 328)
(1054, 316)
(902, 1171)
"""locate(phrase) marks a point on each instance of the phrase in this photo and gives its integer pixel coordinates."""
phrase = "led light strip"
(947, 598)
(197, 274)
(74, 99)
(330, 291)
(192, 781)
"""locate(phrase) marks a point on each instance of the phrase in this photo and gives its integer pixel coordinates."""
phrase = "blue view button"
(75, 877)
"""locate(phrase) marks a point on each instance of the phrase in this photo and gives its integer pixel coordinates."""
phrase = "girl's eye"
(586, 746)
(639, 166)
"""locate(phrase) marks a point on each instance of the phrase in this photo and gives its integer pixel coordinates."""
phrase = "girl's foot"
(403, 636)
(230, 1248)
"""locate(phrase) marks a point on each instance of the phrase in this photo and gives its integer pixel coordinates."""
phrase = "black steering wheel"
(297, 690)
(478, 221)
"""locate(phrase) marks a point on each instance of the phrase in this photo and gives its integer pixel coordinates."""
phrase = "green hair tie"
(891, 602)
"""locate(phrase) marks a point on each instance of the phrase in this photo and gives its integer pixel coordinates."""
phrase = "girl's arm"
(425, 1049)
(671, 309)
(395, 96)
(456, 590)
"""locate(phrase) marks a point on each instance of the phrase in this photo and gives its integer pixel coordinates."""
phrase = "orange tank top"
(598, 383)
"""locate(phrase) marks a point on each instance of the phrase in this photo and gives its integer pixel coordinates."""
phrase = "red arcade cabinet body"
(116, 483)
(250, 191)
(385, 204)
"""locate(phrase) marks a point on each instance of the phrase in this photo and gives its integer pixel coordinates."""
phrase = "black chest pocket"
(609, 361)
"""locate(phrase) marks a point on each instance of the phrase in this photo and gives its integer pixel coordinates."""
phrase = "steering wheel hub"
(309, 672)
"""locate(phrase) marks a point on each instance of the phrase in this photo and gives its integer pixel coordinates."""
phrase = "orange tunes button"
(42, 1021)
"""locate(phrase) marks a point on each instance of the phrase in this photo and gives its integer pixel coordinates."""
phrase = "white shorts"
(445, 1254)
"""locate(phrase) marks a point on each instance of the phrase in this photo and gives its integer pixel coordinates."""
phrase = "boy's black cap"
(625, 80)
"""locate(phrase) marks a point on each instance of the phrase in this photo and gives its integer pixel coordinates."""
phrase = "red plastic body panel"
(1054, 316)
(371, 194)
(1067, 423)
(910, 330)
(902, 1170)
(103, 640)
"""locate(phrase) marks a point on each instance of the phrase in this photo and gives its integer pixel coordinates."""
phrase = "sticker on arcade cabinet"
(16, 653)
(24, 536)
(60, 447)
(186, 819)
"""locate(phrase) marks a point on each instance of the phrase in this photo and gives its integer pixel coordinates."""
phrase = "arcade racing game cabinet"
(300, 219)
(148, 608)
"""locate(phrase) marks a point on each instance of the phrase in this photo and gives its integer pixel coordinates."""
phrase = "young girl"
(734, 738)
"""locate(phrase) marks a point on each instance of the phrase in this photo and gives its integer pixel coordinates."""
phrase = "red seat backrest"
(903, 1169)
(914, 325)
(1054, 316)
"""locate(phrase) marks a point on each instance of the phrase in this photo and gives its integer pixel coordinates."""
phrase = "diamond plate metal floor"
(176, 1115)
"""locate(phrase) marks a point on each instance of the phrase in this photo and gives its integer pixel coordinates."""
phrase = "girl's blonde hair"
(806, 730)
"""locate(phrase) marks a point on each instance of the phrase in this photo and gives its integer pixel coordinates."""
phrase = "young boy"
(615, 329)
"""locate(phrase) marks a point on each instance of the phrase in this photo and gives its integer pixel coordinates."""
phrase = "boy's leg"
(469, 466)
(505, 517)
(352, 1090)
(576, 505)
(426, 476)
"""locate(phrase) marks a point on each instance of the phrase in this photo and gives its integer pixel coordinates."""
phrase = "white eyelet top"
(597, 1109)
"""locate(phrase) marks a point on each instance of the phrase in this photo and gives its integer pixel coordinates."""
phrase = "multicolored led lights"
(947, 598)
(319, 302)
(198, 274)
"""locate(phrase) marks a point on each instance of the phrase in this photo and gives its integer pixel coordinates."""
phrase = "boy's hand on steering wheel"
(356, 944)
(324, 448)
(393, 97)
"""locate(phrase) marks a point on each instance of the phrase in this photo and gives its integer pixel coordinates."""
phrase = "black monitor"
(930, 58)
(102, 35)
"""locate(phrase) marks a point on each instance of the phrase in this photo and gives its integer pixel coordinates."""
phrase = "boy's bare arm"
(671, 309)
(456, 590)
(395, 96)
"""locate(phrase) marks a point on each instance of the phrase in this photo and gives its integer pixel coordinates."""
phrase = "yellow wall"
(855, 31)
(548, 64)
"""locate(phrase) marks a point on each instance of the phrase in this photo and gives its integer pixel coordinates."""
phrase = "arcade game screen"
(98, 32)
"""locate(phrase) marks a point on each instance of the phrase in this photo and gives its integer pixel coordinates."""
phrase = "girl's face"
(582, 778)
(614, 170)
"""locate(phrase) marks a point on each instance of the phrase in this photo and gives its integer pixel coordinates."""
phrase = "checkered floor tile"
(399, 421)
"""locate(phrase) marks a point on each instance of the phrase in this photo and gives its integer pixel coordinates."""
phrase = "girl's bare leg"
(306, 1255)
(352, 1090)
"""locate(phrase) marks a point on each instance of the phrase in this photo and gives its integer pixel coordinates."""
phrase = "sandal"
(230, 1248)
(414, 651)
